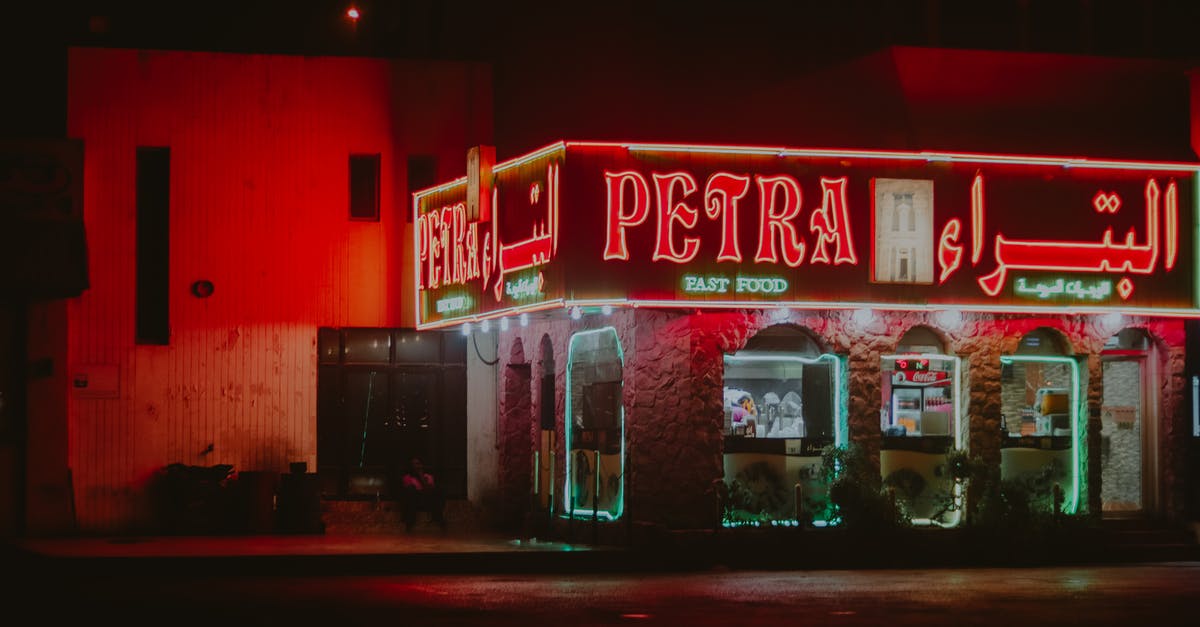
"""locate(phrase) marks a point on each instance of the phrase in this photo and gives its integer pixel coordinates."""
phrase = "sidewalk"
(430, 551)
(419, 552)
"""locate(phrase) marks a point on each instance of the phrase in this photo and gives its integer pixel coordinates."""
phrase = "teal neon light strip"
(1078, 430)
(568, 427)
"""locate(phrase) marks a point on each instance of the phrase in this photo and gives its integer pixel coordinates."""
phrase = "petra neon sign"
(1105, 255)
(780, 203)
(658, 225)
(452, 251)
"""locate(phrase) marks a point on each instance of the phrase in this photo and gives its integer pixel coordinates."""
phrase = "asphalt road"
(1149, 595)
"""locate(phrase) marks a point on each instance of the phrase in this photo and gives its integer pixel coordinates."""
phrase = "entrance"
(385, 396)
(543, 455)
(1127, 417)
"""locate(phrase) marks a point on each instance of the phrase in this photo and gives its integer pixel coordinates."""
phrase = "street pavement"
(434, 578)
(1159, 594)
(429, 550)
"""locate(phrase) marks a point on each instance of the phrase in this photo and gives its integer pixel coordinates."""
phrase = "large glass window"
(1040, 419)
(383, 397)
(921, 421)
(783, 402)
(595, 429)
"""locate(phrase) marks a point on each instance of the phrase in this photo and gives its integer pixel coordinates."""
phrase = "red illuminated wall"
(259, 206)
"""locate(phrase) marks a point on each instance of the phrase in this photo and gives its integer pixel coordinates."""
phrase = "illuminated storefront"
(728, 312)
(1040, 427)
(784, 401)
(922, 422)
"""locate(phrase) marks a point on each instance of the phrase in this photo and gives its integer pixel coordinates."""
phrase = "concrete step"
(1129, 523)
(1143, 537)
(367, 517)
(1179, 552)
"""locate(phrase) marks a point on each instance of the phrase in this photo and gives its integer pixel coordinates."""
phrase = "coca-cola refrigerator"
(921, 401)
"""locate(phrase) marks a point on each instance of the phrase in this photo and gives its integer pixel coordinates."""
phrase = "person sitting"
(419, 493)
(745, 415)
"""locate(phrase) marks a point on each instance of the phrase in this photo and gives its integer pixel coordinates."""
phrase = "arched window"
(783, 403)
(595, 424)
(921, 421)
(781, 386)
(1041, 421)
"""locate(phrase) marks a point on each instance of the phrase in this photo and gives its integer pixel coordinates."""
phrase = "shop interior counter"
(915, 467)
(1029, 455)
(773, 466)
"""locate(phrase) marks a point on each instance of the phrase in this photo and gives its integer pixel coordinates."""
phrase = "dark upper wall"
(902, 98)
(1008, 102)
(677, 70)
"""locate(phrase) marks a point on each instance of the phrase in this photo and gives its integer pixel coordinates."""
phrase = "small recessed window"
(422, 174)
(152, 311)
(364, 187)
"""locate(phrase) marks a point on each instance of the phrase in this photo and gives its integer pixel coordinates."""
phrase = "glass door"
(1121, 419)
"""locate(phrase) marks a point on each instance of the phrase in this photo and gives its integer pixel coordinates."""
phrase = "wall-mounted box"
(96, 381)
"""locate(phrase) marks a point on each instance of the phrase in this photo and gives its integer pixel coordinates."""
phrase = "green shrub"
(857, 497)
(756, 495)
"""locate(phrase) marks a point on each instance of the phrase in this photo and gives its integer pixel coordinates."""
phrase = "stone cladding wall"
(673, 381)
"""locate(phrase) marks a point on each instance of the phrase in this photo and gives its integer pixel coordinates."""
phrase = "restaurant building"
(618, 330)
(671, 318)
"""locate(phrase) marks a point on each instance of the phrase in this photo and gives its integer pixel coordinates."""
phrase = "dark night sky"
(685, 39)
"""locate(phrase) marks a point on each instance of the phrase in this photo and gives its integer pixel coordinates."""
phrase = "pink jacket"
(411, 481)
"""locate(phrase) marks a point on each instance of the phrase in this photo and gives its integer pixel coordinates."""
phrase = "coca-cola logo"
(903, 376)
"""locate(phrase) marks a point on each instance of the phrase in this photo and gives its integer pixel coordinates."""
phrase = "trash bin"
(256, 501)
(300, 503)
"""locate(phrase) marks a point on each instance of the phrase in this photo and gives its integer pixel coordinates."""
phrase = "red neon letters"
(1107, 255)
(773, 221)
(721, 195)
(672, 211)
(618, 218)
(949, 252)
(780, 204)
(831, 223)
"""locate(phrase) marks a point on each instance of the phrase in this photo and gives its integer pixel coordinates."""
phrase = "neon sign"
(452, 251)
(659, 225)
(905, 363)
(1102, 256)
(524, 287)
(1080, 290)
(705, 284)
(453, 303)
(693, 284)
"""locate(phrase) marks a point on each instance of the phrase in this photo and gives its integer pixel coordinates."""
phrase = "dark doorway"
(386, 396)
